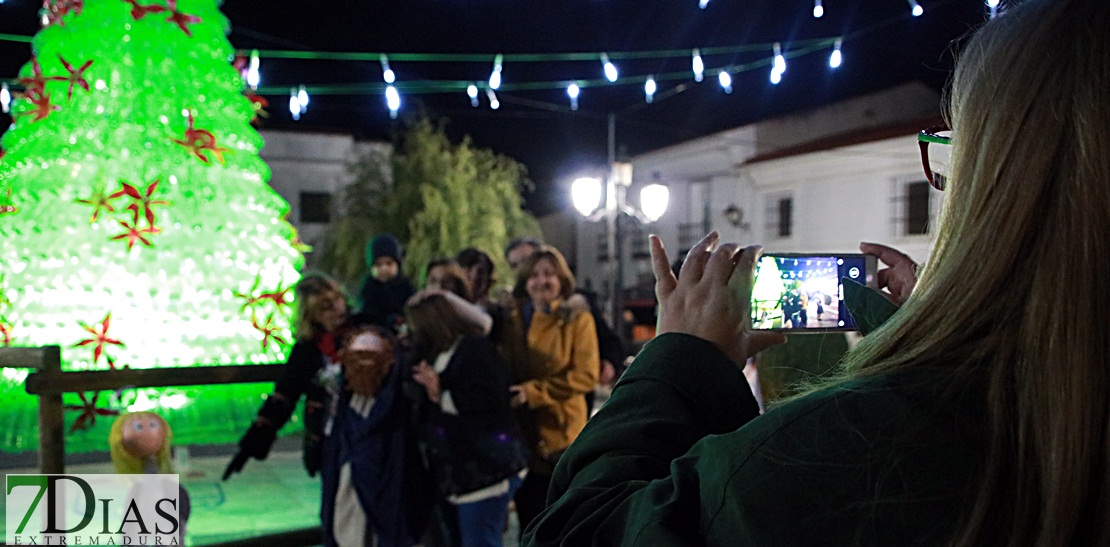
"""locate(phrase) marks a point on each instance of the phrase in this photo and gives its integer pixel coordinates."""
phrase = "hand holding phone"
(804, 293)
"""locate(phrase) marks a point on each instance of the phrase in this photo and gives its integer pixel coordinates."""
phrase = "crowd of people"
(974, 413)
(427, 412)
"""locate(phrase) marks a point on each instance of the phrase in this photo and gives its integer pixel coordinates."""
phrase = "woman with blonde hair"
(977, 415)
(553, 352)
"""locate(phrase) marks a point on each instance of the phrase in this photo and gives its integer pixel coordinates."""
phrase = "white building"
(310, 170)
(819, 181)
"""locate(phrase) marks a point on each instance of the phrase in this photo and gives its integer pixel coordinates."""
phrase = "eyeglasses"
(936, 166)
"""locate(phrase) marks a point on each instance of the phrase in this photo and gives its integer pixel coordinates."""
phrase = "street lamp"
(586, 194)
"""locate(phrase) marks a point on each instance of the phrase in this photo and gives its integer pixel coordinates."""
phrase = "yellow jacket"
(557, 367)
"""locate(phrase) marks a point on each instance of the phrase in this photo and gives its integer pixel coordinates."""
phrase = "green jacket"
(679, 456)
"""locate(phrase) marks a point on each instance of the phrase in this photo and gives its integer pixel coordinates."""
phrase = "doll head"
(139, 437)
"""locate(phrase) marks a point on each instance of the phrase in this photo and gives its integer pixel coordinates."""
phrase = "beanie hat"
(383, 245)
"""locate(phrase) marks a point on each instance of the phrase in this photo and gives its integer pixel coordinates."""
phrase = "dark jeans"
(531, 498)
(481, 522)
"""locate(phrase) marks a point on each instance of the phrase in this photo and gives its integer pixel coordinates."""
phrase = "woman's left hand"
(424, 375)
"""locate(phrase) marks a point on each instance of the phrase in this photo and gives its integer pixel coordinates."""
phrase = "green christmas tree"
(136, 224)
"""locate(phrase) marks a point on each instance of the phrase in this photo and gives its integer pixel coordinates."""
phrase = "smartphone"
(805, 292)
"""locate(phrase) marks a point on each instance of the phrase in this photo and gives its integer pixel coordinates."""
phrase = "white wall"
(310, 162)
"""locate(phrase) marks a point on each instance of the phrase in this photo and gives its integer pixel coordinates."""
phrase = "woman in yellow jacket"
(552, 350)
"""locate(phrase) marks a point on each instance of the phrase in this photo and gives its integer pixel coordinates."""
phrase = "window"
(315, 207)
(786, 217)
(603, 247)
(916, 213)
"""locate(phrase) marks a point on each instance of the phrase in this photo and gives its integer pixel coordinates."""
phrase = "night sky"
(883, 46)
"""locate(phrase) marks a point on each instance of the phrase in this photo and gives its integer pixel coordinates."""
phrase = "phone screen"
(801, 293)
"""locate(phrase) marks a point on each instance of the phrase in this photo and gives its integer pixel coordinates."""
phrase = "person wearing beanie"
(383, 294)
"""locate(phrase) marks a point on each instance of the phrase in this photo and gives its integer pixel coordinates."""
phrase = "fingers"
(759, 340)
(694, 266)
(722, 263)
(744, 269)
(665, 281)
(888, 255)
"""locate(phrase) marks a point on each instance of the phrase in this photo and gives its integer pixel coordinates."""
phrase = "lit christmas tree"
(136, 224)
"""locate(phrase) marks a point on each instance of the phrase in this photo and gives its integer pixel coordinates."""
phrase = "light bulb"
(585, 194)
(494, 104)
(302, 97)
(818, 9)
(725, 79)
(5, 98)
(294, 104)
(253, 77)
(387, 73)
(653, 201)
(472, 92)
(610, 69)
(649, 89)
(915, 8)
(698, 66)
(703, 3)
(393, 101)
(836, 58)
(572, 92)
(495, 76)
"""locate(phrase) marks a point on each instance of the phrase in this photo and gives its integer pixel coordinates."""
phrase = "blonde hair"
(123, 461)
(311, 290)
(1014, 295)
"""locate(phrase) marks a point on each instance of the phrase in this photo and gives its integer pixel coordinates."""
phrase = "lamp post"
(586, 194)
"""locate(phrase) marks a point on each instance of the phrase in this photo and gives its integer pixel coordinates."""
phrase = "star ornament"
(200, 141)
(76, 76)
(133, 234)
(34, 86)
(7, 205)
(42, 108)
(89, 412)
(99, 338)
(269, 331)
(100, 202)
(182, 20)
(142, 203)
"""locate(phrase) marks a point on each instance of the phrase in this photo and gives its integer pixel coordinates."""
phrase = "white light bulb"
(493, 102)
(472, 92)
(294, 105)
(725, 80)
(818, 9)
(653, 201)
(703, 3)
(585, 194)
(253, 77)
(915, 8)
(698, 66)
(649, 89)
(393, 101)
(387, 73)
(992, 3)
(5, 98)
(611, 73)
(776, 77)
(572, 92)
(780, 60)
(495, 76)
(836, 58)
(302, 97)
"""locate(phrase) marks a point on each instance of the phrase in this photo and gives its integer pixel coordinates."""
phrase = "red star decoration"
(182, 20)
(260, 104)
(89, 412)
(299, 245)
(59, 8)
(135, 235)
(142, 201)
(76, 76)
(5, 333)
(100, 337)
(7, 206)
(35, 86)
(42, 109)
(268, 330)
(99, 201)
(198, 140)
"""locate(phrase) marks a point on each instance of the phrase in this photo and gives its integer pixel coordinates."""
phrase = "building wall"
(841, 195)
(311, 162)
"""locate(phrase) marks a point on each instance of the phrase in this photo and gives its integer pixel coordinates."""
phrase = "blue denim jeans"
(481, 522)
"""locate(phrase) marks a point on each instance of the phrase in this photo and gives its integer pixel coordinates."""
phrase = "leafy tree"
(443, 197)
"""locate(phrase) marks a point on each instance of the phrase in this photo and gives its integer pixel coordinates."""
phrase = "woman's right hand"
(900, 278)
(701, 303)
